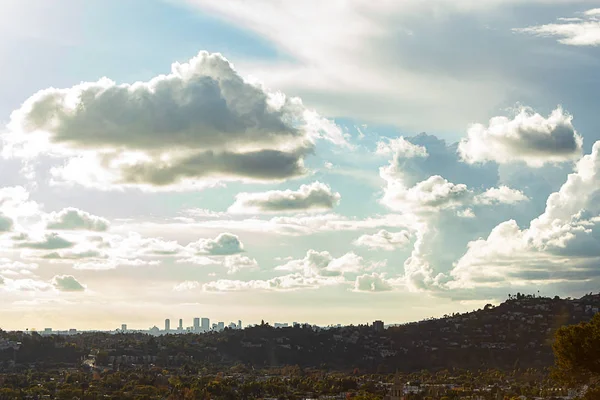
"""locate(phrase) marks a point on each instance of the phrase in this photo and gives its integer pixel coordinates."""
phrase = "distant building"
(72, 331)
(232, 325)
(281, 325)
(378, 326)
(196, 324)
(221, 326)
(47, 331)
(239, 326)
(205, 324)
(180, 325)
(167, 325)
(124, 327)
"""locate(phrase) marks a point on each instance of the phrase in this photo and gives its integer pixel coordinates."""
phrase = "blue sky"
(396, 160)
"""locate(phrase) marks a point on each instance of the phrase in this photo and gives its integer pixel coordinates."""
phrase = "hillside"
(516, 334)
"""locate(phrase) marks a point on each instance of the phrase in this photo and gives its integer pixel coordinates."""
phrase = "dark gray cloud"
(315, 196)
(201, 121)
(263, 165)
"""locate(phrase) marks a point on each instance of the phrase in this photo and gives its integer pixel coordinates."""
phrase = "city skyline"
(294, 160)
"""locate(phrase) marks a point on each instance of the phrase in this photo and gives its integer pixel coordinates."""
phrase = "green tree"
(577, 352)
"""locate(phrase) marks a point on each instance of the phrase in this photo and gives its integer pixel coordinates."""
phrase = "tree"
(577, 352)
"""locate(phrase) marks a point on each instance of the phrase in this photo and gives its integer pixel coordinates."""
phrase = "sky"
(323, 162)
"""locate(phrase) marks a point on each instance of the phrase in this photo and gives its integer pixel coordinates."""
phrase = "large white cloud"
(528, 137)
(316, 196)
(201, 122)
(75, 219)
(562, 244)
(582, 30)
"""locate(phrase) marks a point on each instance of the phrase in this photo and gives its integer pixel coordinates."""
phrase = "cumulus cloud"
(201, 122)
(51, 241)
(373, 282)
(562, 244)
(401, 148)
(67, 283)
(322, 263)
(583, 30)
(384, 240)
(186, 286)
(238, 262)
(431, 195)
(223, 245)
(316, 196)
(75, 219)
(528, 137)
(501, 195)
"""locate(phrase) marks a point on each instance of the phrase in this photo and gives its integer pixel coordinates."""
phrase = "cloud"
(202, 122)
(384, 240)
(577, 31)
(429, 196)
(67, 283)
(73, 255)
(387, 63)
(528, 137)
(52, 241)
(442, 159)
(223, 245)
(26, 285)
(238, 262)
(112, 263)
(316, 196)
(74, 219)
(373, 282)
(322, 263)
(401, 148)
(562, 244)
(281, 283)
(6, 224)
(315, 270)
(187, 286)
(501, 195)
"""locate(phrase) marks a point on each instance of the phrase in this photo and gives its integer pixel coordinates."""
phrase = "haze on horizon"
(288, 161)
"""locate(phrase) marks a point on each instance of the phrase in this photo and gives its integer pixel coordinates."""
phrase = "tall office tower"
(180, 325)
(196, 324)
(167, 324)
(124, 327)
(221, 326)
(239, 324)
(205, 324)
